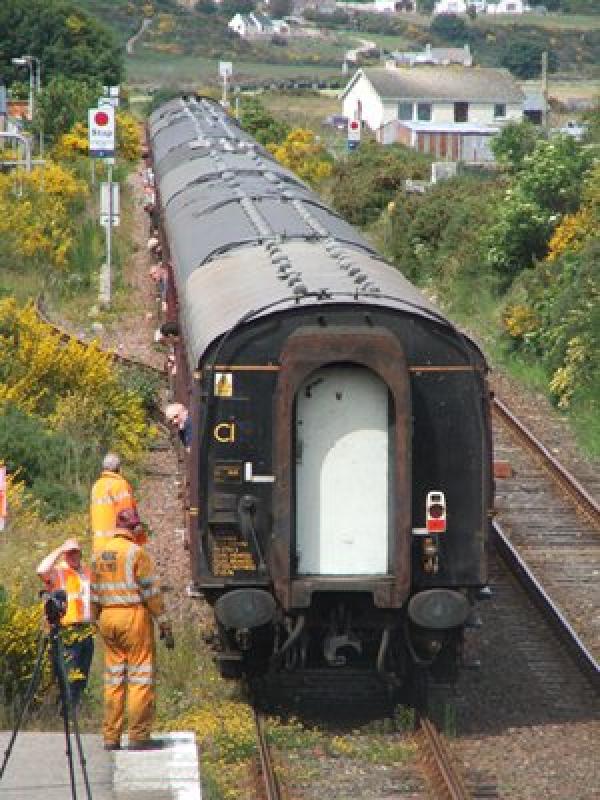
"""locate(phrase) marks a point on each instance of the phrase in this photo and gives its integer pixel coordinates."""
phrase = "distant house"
(322, 6)
(394, 6)
(507, 7)
(441, 56)
(481, 6)
(446, 111)
(251, 25)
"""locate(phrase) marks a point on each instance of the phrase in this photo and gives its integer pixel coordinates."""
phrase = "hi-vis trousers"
(128, 634)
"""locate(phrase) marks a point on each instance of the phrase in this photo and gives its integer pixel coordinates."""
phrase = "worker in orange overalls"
(111, 493)
(63, 569)
(126, 599)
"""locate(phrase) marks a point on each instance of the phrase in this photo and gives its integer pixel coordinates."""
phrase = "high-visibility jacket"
(77, 585)
(110, 494)
(123, 576)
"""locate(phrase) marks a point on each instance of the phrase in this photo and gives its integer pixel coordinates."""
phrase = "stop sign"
(101, 129)
(101, 118)
(354, 130)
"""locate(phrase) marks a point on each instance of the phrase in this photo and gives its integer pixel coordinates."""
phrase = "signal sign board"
(101, 131)
(353, 133)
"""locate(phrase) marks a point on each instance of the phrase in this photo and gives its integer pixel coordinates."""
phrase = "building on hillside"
(394, 6)
(433, 94)
(507, 7)
(441, 56)
(251, 25)
(322, 6)
(481, 6)
(449, 111)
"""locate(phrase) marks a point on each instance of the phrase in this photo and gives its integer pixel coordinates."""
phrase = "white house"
(432, 55)
(507, 7)
(253, 24)
(392, 6)
(449, 95)
(481, 6)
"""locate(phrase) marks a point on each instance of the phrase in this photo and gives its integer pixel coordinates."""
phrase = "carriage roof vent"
(360, 278)
(353, 271)
(300, 289)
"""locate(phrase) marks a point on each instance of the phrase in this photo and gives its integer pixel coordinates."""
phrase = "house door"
(342, 472)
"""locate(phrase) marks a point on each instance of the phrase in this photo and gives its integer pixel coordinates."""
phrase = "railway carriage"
(340, 484)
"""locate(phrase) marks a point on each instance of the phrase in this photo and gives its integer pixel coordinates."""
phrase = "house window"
(500, 110)
(405, 111)
(461, 112)
(424, 112)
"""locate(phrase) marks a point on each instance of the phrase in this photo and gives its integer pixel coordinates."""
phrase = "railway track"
(547, 534)
(66, 336)
(270, 784)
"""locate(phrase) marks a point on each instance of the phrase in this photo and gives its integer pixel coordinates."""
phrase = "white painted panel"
(342, 473)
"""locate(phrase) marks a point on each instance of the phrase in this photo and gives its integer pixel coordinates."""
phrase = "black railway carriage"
(340, 473)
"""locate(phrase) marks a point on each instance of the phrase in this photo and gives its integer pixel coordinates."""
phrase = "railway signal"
(101, 132)
(353, 133)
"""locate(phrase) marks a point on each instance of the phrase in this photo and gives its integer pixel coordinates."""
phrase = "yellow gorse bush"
(302, 153)
(129, 140)
(74, 387)
(20, 628)
(38, 211)
(72, 144)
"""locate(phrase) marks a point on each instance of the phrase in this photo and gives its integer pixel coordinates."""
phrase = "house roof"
(452, 84)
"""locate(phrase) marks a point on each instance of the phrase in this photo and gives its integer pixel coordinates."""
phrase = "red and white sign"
(354, 130)
(3, 491)
(101, 131)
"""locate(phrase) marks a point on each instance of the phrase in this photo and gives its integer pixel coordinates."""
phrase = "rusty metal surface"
(448, 782)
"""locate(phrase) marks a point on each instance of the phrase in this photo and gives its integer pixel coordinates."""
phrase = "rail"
(583, 658)
(66, 336)
(449, 784)
(582, 498)
(271, 784)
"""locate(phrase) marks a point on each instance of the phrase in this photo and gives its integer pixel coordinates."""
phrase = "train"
(340, 474)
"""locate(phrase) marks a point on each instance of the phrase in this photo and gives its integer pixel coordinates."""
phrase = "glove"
(166, 635)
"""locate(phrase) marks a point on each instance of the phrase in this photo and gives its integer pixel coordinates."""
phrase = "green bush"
(255, 119)
(53, 466)
(363, 184)
(438, 236)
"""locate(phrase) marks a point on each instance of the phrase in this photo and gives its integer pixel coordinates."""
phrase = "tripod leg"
(60, 671)
(31, 689)
(69, 711)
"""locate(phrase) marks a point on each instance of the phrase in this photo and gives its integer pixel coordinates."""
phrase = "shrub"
(19, 642)
(363, 184)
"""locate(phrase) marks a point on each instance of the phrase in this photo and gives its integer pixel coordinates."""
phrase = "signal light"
(435, 516)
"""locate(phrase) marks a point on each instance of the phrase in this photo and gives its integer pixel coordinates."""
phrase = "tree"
(523, 57)
(450, 28)
(515, 141)
(62, 103)
(66, 39)
(255, 119)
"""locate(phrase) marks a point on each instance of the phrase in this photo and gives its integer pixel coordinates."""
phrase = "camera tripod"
(69, 713)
